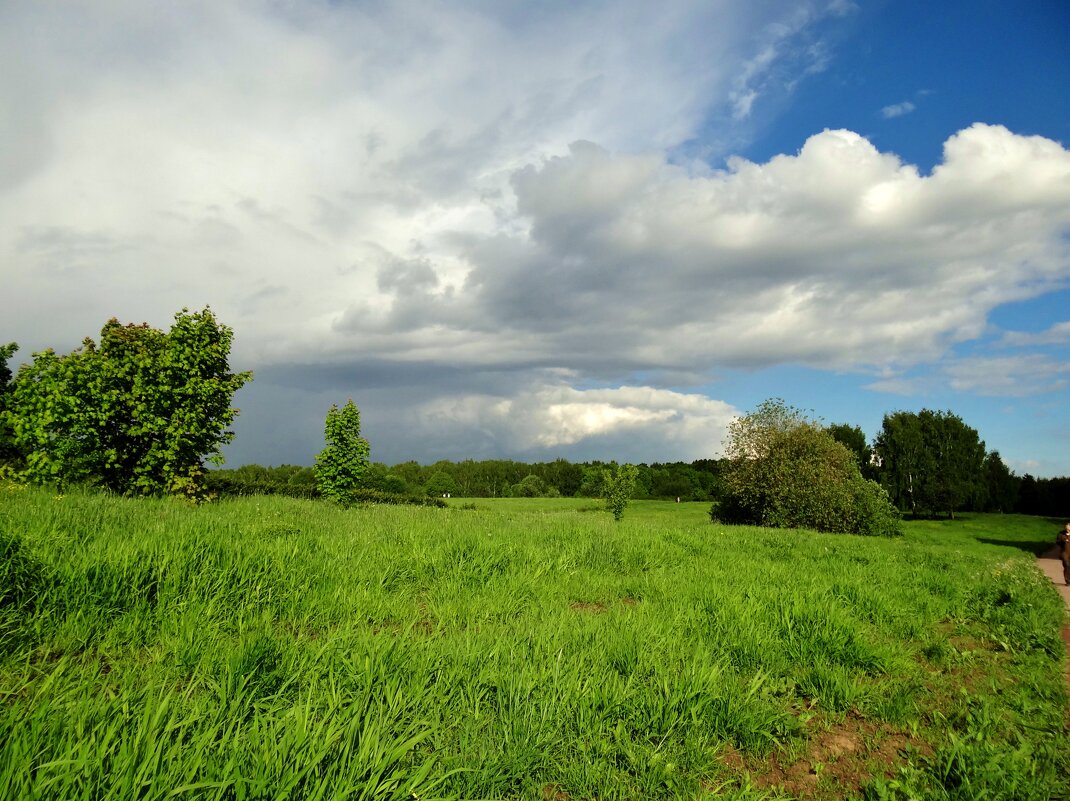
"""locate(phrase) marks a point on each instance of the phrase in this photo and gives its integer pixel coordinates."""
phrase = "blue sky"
(589, 230)
(955, 62)
(937, 68)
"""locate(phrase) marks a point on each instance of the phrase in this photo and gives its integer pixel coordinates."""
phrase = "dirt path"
(1053, 569)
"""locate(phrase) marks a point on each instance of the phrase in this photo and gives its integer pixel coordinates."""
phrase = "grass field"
(269, 648)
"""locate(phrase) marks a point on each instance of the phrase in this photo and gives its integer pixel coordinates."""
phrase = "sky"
(589, 230)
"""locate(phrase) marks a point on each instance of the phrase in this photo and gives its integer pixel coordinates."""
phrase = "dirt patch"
(837, 760)
(590, 607)
(598, 608)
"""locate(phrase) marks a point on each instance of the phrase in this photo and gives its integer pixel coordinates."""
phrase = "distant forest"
(996, 491)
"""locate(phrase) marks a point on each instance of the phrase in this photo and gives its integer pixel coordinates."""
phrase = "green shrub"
(786, 471)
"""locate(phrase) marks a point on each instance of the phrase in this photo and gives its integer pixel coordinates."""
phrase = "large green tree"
(1001, 485)
(139, 413)
(342, 464)
(959, 456)
(930, 461)
(855, 440)
(786, 471)
(905, 460)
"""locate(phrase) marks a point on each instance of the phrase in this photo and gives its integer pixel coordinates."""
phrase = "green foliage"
(341, 465)
(265, 481)
(6, 352)
(786, 471)
(1044, 496)
(592, 482)
(137, 414)
(854, 439)
(618, 486)
(1001, 485)
(499, 478)
(8, 452)
(930, 462)
(232, 483)
(531, 486)
(441, 483)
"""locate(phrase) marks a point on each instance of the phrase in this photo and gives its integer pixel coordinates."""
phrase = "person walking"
(1063, 541)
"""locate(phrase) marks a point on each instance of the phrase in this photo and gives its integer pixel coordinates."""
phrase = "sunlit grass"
(273, 648)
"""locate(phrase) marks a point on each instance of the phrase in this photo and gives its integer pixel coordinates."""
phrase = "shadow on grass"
(1037, 548)
(1045, 547)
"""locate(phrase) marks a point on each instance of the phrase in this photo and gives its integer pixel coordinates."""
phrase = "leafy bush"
(224, 483)
(786, 471)
(531, 486)
(375, 496)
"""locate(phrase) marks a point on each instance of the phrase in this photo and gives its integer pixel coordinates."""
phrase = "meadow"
(274, 648)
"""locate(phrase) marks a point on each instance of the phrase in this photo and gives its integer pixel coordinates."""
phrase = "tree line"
(505, 478)
(995, 489)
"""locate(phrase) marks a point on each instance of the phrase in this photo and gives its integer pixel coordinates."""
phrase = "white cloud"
(620, 422)
(839, 256)
(1010, 376)
(1055, 335)
(897, 386)
(784, 53)
(1019, 376)
(897, 109)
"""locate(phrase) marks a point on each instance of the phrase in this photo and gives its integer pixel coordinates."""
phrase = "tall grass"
(276, 648)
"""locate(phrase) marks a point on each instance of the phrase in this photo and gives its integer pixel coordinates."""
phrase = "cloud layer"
(476, 218)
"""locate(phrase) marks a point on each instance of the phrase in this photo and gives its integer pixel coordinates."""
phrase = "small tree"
(341, 465)
(618, 486)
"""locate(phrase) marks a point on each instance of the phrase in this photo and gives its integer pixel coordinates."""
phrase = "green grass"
(524, 649)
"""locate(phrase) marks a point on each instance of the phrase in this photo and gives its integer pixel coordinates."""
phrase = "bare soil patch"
(839, 759)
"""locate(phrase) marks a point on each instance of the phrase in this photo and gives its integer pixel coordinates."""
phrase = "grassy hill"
(525, 649)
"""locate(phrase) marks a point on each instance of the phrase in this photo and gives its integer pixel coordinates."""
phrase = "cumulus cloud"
(627, 422)
(897, 109)
(838, 256)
